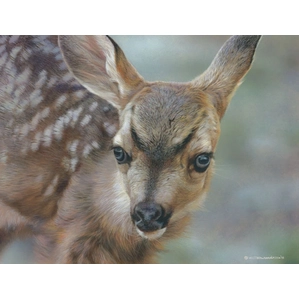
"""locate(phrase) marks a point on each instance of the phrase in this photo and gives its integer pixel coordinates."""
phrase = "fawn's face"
(164, 148)
(168, 131)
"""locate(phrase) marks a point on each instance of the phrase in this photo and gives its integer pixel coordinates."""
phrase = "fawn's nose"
(149, 216)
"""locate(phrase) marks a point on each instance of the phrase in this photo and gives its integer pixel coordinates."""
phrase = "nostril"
(138, 215)
(158, 213)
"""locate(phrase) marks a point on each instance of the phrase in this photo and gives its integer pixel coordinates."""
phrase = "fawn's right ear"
(99, 64)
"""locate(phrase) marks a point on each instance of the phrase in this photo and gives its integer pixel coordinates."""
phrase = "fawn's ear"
(227, 69)
(99, 64)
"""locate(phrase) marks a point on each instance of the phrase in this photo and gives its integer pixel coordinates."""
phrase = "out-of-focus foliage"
(251, 214)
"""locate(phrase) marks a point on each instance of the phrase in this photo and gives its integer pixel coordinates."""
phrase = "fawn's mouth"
(151, 235)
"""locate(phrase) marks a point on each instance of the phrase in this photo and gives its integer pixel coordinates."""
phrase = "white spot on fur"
(24, 130)
(34, 121)
(47, 45)
(24, 76)
(75, 115)
(93, 106)
(67, 77)
(22, 105)
(60, 101)
(85, 120)
(3, 59)
(66, 163)
(9, 87)
(45, 113)
(26, 54)
(3, 39)
(14, 52)
(79, 93)
(67, 117)
(87, 149)
(47, 136)
(58, 128)
(73, 164)
(36, 142)
(62, 66)
(106, 108)
(42, 78)
(72, 146)
(110, 128)
(2, 48)
(52, 81)
(3, 157)
(9, 105)
(19, 91)
(58, 57)
(39, 178)
(95, 144)
(38, 117)
(13, 39)
(70, 164)
(35, 98)
(56, 50)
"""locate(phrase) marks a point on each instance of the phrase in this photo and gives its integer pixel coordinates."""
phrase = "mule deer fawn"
(99, 165)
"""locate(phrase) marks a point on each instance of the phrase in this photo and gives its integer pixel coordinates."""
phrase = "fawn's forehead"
(165, 110)
(164, 118)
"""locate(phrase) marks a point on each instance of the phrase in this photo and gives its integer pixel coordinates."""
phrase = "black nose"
(150, 216)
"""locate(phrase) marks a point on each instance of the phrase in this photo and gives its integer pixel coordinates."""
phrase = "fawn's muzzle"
(150, 216)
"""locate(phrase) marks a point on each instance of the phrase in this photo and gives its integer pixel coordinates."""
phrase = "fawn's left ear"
(99, 64)
(227, 70)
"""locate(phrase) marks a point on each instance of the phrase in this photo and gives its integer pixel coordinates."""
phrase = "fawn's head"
(168, 131)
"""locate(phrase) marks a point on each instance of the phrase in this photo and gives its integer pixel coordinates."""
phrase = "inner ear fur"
(99, 64)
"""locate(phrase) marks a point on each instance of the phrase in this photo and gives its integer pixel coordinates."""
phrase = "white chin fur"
(151, 235)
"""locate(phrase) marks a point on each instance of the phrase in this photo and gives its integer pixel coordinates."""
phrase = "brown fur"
(58, 176)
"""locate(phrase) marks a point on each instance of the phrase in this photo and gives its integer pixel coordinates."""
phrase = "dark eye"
(202, 162)
(121, 156)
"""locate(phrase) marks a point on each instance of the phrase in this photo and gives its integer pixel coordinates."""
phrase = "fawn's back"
(99, 164)
(48, 124)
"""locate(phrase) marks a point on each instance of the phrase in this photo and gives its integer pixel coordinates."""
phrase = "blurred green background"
(251, 214)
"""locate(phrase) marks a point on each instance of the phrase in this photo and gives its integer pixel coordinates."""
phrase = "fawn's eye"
(121, 155)
(202, 162)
